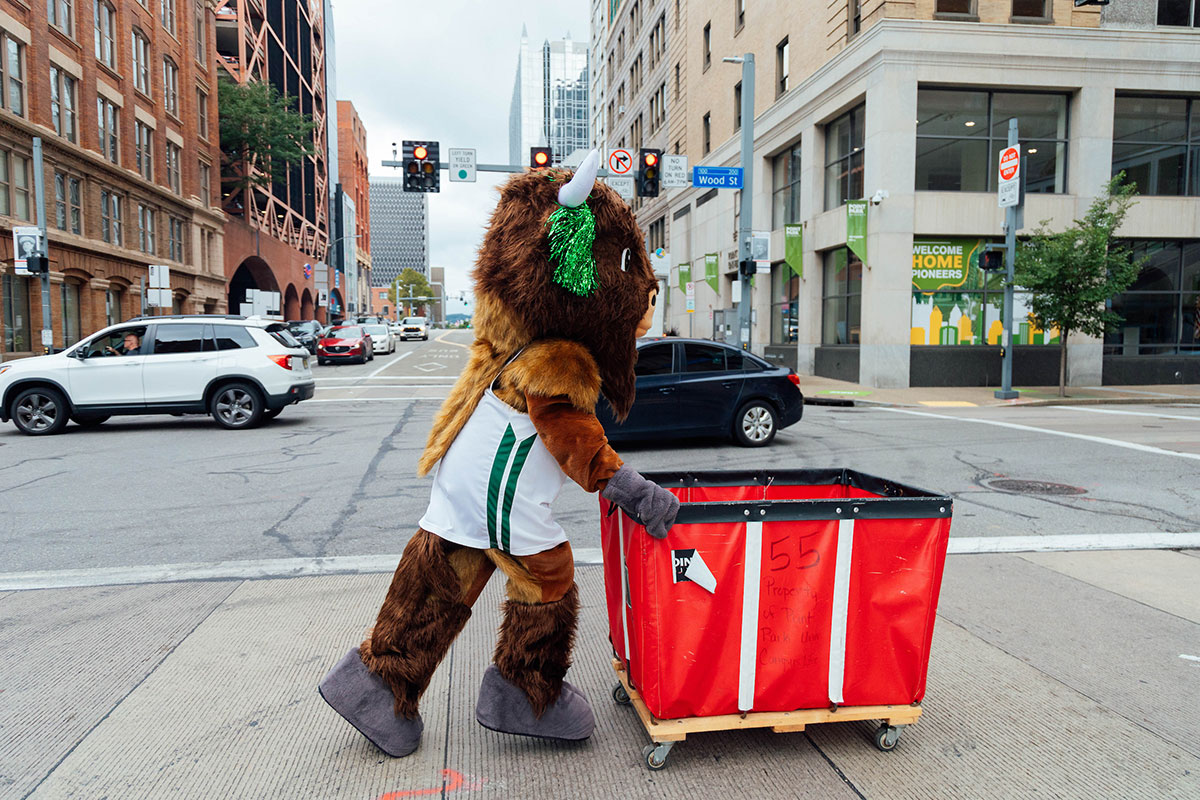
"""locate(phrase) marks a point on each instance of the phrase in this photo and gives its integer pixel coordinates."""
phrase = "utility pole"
(1013, 218)
(39, 194)
(745, 223)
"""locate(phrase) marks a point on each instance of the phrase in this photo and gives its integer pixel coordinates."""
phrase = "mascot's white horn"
(576, 191)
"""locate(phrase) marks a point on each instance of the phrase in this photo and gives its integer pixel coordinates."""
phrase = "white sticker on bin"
(750, 592)
(841, 609)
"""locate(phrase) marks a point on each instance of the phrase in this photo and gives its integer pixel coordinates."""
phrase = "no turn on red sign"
(1010, 176)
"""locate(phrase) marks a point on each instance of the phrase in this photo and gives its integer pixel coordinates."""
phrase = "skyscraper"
(399, 230)
(550, 99)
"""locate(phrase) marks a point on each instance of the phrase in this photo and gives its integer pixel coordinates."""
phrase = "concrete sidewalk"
(1052, 675)
(820, 390)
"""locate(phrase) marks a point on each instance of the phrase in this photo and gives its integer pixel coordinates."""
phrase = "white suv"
(241, 370)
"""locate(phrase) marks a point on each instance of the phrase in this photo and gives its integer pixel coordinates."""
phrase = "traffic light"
(990, 260)
(540, 157)
(421, 167)
(647, 172)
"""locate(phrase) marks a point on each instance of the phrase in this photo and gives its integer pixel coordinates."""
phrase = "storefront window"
(1160, 309)
(842, 302)
(960, 134)
(785, 185)
(1156, 141)
(844, 156)
(17, 337)
(785, 288)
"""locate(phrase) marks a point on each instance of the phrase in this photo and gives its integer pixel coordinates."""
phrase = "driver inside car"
(132, 346)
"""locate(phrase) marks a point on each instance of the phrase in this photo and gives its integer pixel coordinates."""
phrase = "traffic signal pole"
(1005, 392)
(39, 194)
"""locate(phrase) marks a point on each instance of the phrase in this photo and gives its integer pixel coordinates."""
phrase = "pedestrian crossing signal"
(990, 260)
(540, 157)
(421, 167)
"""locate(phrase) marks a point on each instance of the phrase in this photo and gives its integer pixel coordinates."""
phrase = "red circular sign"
(1010, 161)
(620, 161)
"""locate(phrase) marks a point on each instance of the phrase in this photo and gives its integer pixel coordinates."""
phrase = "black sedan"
(307, 332)
(697, 387)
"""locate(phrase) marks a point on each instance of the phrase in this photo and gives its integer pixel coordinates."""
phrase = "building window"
(841, 310)
(69, 295)
(106, 117)
(62, 103)
(737, 106)
(17, 337)
(781, 67)
(1151, 137)
(844, 156)
(1030, 9)
(960, 135)
(173, 155)
(200, 24)
(854, 23)
(739, 15)
(112, 306)
(707, 133)
(707, 45)
(106, 27)
(68, 207)
(171, 87)
(1185, 13)
(202, 112)
(143, 148)
(785, 291)
(175, 238)
(785, 187)
(14, 185)
(61, 14)
(205, 183)
(141, 62)
(12, 92)
(657, 234)
(1162, 307)
(110, 216)
(166, 10)
(145, 218)
(960, 8)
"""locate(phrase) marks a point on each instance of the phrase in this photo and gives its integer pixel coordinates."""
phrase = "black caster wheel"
(620, 696)
(887, 737)
(655, 756)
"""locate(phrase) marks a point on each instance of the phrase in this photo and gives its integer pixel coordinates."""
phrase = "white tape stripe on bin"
(623, 572)
(841, 608)
(750, 593)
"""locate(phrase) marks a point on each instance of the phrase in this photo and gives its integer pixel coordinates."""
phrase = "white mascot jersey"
(495, 485)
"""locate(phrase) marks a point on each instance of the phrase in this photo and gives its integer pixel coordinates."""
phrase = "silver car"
(381, 339)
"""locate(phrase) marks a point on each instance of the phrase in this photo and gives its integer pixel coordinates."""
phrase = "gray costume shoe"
(366, 702)
(505, 708)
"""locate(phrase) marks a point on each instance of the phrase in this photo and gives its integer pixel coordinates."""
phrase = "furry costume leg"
(523, 692)
(377, 686)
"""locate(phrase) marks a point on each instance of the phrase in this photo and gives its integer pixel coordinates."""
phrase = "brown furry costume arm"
(560, 383)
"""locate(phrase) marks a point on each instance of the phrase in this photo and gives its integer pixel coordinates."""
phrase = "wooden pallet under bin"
(664, 733)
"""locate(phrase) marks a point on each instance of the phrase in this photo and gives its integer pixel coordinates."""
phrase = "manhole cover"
(1032, 487)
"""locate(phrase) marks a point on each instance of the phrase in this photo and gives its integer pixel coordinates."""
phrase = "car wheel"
(236, 405)
(90, 421)
(39, 411)
(754, 424)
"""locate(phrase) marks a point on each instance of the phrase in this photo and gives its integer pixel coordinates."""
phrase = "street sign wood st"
(462, 164)
(717, 177)
(1010, 176)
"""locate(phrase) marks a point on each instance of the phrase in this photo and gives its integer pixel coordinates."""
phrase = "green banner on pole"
(712, 265)
(793, 248)
(685, 276)
(856, 228)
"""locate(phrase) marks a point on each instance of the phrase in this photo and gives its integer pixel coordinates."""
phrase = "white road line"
(372, 399)
(1144, 448)
(1123, 390)
(353, 565)
(448, 378)
(1127, 413)
(400, 357)
(1189, 658)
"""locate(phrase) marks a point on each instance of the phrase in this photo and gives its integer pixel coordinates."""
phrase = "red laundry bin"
(777, 591)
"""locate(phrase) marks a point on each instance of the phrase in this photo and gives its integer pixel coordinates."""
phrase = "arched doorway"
(306, 305)
(337, 307)
(253, 273)
(291, 303)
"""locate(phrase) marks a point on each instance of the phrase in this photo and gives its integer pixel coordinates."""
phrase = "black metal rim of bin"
(896, 501)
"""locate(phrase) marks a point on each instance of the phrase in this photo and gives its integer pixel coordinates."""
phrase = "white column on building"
(808, 300)
(891, 149)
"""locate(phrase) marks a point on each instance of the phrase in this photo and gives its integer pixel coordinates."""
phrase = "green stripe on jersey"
(510, 490)
(493, 496)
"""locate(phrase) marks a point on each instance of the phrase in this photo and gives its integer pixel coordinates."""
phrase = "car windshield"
(347, 332)
(414, 320)
(381, 330)
(302, 327)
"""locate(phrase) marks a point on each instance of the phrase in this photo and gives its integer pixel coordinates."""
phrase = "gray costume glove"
(643, 499)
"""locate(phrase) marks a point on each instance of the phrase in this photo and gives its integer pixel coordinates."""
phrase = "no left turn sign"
(620, 162)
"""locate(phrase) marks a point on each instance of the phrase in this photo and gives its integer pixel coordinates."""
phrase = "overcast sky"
(443, 71)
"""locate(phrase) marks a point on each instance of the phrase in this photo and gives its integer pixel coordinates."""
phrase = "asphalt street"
(336, 476)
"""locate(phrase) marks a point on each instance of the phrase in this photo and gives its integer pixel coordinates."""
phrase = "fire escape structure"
(281, 42)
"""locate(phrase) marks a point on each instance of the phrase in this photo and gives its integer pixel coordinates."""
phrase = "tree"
(410, 283)
(1071, 274)
(259, 127)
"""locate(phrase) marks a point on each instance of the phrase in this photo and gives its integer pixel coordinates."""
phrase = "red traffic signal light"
(651, 158)
(420, 152)
(421, 166)
(647, 183)
(539, 157)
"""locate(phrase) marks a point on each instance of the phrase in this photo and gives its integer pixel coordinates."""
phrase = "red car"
(345, 343)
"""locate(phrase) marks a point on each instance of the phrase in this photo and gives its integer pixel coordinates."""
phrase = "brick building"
(277, 235)
(123, 96)
(354, 183)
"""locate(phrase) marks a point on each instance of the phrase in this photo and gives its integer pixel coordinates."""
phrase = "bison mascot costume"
(563, 288)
